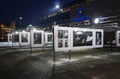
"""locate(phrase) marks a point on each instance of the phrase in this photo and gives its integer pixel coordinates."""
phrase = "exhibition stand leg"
(54, 58)
(69, 54)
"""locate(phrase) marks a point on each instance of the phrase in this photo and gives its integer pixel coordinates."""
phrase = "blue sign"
(81, 16)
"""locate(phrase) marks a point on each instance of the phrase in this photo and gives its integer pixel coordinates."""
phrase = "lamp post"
(57, 7)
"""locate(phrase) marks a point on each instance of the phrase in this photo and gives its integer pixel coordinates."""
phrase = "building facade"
(4, 30)
(83, 13)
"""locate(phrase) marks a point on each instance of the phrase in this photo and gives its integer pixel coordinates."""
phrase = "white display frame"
(70, 38)
(82, 47)
(9, 37)
(24, 43)
(32, 38)
(46, 42)
(13, 37)
(15, 43)
(56, 48)
(46, 37)
(117, 38)
(102, 37)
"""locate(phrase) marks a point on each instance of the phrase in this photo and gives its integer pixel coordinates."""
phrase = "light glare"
(96, 21)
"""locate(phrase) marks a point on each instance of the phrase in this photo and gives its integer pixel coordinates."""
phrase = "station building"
(83, 14)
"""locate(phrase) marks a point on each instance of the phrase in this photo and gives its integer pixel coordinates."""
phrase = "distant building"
(83, 12)
(4, 30)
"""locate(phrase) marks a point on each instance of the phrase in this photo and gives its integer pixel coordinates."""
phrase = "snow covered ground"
(5, 44)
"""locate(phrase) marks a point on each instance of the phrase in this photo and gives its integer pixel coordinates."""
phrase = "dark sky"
(30, 10)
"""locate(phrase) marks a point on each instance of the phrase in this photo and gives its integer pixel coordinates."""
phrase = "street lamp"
(20, 18)
(20, 21)
(16, 32)
(57, 6)
(96, 21)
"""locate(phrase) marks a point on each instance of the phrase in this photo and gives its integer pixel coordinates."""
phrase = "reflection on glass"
(62, 38)
(10, 37)
(98, 38)
(60, 33)
(50, 38)
(24, 37)
(37, 38)
(60, 43)
(66, 43)
(16, 38)
(82, 38)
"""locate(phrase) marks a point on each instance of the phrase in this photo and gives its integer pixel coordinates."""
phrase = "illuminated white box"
(48, 39)
(99, 34)
(61, 38)
(74, 38)
(82, 38)
(9, 37)
(37, 38)
(15, 39)
(118, 38)
(24, 38)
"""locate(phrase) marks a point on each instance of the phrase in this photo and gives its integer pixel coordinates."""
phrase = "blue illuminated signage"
(81, 16)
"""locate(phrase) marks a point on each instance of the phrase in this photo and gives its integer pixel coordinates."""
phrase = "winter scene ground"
(21, 63)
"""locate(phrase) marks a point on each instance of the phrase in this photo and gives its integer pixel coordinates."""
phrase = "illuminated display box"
(37, 38)
(61, 38)
(72, 38)
(24, 38)
(9, 37)
(15, 38)
(118, 38)
(48, 39)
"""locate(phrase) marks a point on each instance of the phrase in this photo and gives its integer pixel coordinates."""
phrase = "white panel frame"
(82, 47)
(15, 43)
(46, 37)
(32, 38)
(13, 37)
(24, 43)
(56, 48)
(102, 35)
(117, 38)
(9, 37)
(70, 39)
(46, 42)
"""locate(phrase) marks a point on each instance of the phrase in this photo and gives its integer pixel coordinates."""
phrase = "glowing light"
(23, 31)
(30, 25)
(34, 29)
(96, 21)
(20, 18)
(16, 32)
(57, 6)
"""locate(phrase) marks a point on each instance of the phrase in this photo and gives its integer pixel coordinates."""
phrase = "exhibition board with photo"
(34, 38)
(118, 38)
(74, 38)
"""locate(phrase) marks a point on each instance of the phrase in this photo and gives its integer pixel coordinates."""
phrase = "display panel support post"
(54, 58)
(30, 42)
(69, 54)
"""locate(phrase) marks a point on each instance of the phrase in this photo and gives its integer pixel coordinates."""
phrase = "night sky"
(30, 10)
